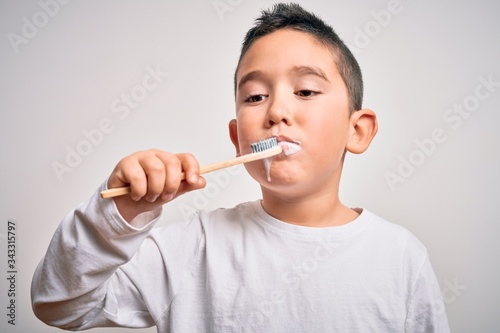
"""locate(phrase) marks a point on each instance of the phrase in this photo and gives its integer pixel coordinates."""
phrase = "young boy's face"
(288, 86)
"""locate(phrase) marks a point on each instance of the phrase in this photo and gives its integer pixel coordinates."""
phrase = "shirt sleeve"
(426, 311)
(74, 286)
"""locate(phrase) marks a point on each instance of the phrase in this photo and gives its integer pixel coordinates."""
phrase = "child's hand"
(154, 177)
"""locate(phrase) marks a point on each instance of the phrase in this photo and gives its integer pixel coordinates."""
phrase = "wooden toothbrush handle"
(115, 192)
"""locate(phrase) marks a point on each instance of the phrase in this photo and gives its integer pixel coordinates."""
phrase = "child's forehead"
(289, 49)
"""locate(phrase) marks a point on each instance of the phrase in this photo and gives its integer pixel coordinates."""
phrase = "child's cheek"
(256, 170)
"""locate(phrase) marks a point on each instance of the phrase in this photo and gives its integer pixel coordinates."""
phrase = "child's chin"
(277, 177)
(279, 173)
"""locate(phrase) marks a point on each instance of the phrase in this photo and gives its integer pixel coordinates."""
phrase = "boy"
(296, 261)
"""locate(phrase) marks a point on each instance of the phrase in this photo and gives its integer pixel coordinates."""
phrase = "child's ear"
(363, 127)
(233, 134)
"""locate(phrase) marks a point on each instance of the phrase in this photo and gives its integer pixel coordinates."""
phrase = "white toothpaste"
(267, 167)
(290, 148)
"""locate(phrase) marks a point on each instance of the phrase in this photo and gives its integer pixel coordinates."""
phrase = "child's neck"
(319, 210)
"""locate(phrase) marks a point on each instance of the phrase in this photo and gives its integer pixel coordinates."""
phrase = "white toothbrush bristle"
(264, 145)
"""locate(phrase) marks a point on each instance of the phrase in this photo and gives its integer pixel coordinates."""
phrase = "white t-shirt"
(235, 270)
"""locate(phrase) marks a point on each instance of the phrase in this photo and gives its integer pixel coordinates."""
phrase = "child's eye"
(306, 93)
(255, 98)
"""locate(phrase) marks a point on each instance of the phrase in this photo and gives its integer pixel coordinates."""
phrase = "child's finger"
(154, 168)
(188, 187)
(193, 180)
(191, 167)
(132, 173)
(171, 179)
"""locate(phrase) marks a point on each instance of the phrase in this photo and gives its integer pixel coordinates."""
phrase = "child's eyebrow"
(249, 77)
(308, 70)
(300, 70)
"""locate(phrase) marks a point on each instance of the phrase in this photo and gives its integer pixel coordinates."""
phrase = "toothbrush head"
(264, 145)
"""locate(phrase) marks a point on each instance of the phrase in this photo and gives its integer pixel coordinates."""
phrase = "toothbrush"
(260, 150)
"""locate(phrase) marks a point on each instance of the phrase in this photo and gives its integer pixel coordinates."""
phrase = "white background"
(64, 77)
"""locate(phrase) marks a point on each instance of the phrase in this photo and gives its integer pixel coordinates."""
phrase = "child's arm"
(426, 309)
(80, 283)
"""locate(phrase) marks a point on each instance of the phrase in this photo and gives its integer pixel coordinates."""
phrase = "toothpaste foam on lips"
(290, 148)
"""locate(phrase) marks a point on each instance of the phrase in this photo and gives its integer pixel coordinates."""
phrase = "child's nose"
(278, 113)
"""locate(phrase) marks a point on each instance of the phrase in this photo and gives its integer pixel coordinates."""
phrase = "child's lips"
(288, 145)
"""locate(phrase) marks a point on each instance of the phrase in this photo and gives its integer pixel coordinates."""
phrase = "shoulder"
(390, 231)
(397, 248)
(205, 221)
(397, 239)
(185, 241)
